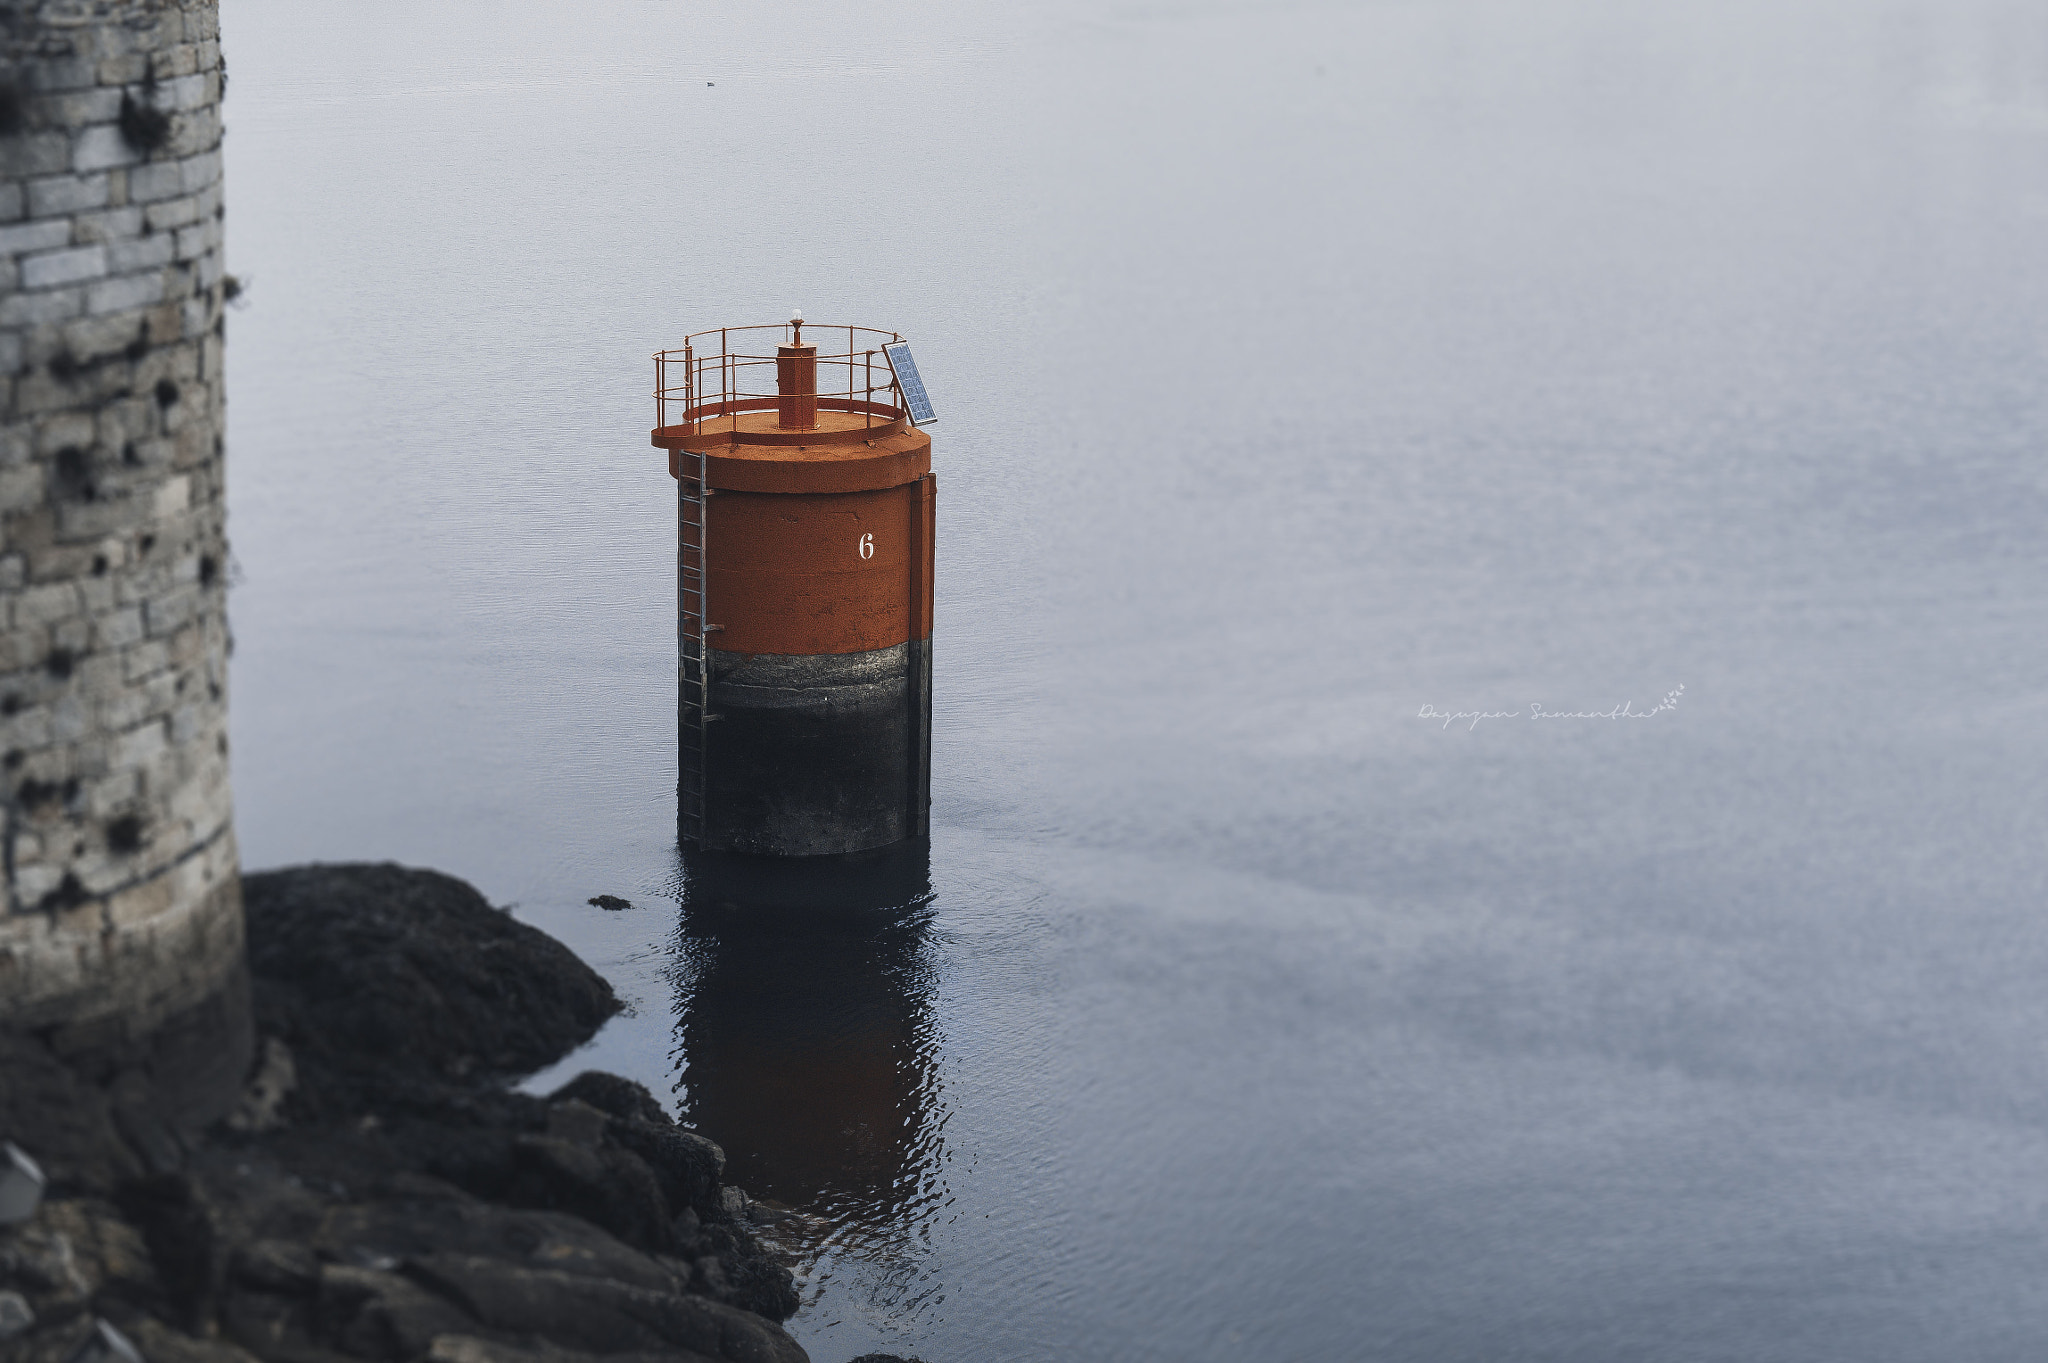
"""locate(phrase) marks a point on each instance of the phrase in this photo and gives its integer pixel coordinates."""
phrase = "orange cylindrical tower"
(805, 550)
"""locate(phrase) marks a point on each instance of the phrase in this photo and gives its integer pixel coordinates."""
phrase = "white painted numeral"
(867, 546)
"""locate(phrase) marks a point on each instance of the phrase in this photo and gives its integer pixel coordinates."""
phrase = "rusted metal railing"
(697, 383)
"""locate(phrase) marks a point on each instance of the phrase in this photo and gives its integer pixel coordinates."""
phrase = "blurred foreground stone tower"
(121, 931)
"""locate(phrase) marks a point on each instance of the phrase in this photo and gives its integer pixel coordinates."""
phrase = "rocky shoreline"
(381, 1194)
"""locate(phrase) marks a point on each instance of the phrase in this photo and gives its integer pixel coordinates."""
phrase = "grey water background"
(1299, 366)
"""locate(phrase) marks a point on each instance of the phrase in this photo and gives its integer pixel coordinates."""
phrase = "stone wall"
(121, 931)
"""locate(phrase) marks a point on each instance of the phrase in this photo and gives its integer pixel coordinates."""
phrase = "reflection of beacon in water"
(804, 588)
(806, 1032)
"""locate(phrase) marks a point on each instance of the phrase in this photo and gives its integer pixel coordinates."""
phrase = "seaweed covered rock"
(381, 978)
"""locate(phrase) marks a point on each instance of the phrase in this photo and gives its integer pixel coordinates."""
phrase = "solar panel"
(914, 396)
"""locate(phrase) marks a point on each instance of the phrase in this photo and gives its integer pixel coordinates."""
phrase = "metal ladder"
(693, 698)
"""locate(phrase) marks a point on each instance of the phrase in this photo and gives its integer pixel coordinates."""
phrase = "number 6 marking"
(867, 546)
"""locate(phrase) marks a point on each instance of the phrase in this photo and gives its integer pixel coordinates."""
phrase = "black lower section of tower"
(818, 755)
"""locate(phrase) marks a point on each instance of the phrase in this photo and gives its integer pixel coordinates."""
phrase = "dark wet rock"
(577, 1123)
(178, 1224)
(733, 1266)
(380, 1314)
(280, 1267)
(608, 1093)
(51, 1342)
(64, 1121)
(381, 1197)
(380, 978)
(144, 1122)
(606, 1186)
(160, 1344)
(685, 1164)
(77, 1256)
(467, 1349)
(602, 1316)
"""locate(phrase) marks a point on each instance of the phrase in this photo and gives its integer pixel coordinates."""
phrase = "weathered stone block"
(27, 847)
(101, 147)
(79, 521)
(127, 420)
(34, 236)
(141, 253)
(168, 615)
(40, 309)
(77, 108)
(31, 883)
(145, 659)
(40, 153)
(158, 180)
(93, 338)
(177, 212)
(128, 292)
(61, 73)
(171, 499)
(26, 730)
(180, 60)
(118, 628)
(111, 793)
(188, 92)
(196, 240)
(112, 224)
(71, 636)
(54, 268)
(115, 40)
(140, 745)
(66, 194)
(201, 171)
(126, 70)
(46, 604)
(192, 722)
(64, 430)
(194, 132)
(70, 716)
(21, 488)
(21, 648)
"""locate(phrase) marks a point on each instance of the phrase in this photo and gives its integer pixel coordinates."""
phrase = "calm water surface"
(1300, 366)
